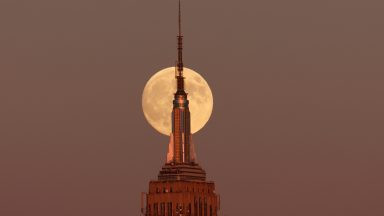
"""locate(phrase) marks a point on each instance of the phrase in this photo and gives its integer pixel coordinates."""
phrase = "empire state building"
(181, 187)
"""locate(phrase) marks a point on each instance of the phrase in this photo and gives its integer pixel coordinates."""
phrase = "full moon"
(157, 99)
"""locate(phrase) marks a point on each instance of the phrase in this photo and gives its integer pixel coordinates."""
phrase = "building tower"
(181, 187)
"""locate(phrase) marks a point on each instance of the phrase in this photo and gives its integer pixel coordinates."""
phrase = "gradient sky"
(298, 120)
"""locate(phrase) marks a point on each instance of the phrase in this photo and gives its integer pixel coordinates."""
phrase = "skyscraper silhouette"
(181, 187)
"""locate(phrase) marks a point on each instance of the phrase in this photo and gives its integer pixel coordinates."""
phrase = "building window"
(155, 209)
(178, 209)
(205, 208)
(169, 209)
(149, 210)
(189, 212)
(162, 207)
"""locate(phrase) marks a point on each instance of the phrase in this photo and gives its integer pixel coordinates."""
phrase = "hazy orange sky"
(297, 126)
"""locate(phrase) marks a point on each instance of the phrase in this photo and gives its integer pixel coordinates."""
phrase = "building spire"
(180, 65)
(179, 18)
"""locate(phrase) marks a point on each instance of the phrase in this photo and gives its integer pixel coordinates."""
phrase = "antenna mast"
(180, 46)
(180, 65)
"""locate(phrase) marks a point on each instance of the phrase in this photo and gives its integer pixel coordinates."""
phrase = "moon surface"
(158, 94)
